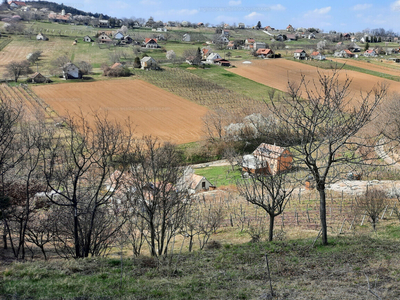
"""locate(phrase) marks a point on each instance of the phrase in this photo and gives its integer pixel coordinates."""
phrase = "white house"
(223, 39)
(87, 39)
(299, 54)
(42, 37)
(194, 183)
(119, 36)
(186, 37)
(70, 71)
(213, 56)
(317, 55)
(148, 63)
(370, 52)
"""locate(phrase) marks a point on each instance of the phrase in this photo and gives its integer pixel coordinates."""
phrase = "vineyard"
(300, 215)
(5, 43)
(24, 95)
(203, 92)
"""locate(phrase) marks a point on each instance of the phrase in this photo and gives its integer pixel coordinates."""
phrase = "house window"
(203, 185)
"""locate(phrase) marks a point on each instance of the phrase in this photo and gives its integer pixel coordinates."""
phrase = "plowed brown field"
(392, 68)
(152, 110)
(277, 72)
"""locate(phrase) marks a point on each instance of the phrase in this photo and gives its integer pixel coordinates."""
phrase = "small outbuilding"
(267, 159)
(88, 39)
(37, 78)
(71, 71)
(42, 37)
(148, 63)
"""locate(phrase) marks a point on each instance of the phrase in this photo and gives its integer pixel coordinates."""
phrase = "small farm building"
(70, 71)
(267, 159)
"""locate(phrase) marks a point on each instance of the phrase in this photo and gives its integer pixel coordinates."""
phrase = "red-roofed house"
(231, 45)
(205, 52)
(222, 62)
(248, 43)
(317, 55)
(290, 28)
(370, 52)
(343, 53)
(300, 54)
(16, 4)
(151, 43)
(349, 53)
(265, 52)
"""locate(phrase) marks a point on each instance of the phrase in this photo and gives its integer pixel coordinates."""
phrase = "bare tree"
(154, 194)
(84, 67)
(34, 56)
(270, 192)
(372, 203)
(81, 180)
(26, 182)
(328, 126)
(193, 55)
(58, 64)
(15, 69)
(11, 113)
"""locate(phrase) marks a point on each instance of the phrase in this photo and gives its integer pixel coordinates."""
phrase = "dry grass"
(232, 268)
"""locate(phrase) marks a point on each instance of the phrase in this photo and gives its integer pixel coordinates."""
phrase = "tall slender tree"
(328, 125)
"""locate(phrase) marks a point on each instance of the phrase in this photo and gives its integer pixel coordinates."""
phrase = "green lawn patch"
(220, 176)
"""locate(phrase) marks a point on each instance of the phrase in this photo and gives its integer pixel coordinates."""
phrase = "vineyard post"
(383, 215)
(352, 222)
(362, 222)
(340, 231)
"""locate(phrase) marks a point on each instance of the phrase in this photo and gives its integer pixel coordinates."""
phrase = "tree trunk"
(271, 227)
(152, 240)
(76, 233)
(322, 215)
(190, 243)
(5, 236)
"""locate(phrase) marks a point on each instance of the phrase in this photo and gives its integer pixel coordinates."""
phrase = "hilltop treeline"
(68, 9)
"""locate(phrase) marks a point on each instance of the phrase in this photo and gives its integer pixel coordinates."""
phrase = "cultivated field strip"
(277, 73)
(150, 110)
(201, 91)
(30, 101)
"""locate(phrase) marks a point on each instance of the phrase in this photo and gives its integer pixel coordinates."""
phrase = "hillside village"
(218, 44)
(156, 159)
